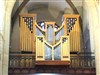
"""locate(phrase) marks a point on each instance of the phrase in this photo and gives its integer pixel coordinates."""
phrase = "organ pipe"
(33, 37)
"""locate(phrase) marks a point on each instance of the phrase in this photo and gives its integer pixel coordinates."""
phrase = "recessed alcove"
(50, 11)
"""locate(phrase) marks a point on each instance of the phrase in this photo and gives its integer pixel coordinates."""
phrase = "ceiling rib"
(14, 17)
(75, 10)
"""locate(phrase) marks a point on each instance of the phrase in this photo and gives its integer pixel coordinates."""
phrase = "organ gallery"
(52, 44)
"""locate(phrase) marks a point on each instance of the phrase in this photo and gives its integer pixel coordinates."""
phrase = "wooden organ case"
(51, 43)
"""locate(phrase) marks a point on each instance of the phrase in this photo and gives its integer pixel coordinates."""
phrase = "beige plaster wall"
(93, 9)
(4, 34)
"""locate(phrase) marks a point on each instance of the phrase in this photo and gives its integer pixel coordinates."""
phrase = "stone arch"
(8, 6)
(6, 25)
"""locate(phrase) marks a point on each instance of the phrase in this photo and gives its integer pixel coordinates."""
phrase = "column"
(94, 13)
(5, 19)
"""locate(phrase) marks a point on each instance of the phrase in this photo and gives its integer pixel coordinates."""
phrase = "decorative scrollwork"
(40, 38)
(64, 40)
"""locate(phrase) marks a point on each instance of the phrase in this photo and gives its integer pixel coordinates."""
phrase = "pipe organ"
(27, 32)
(73, 30)
(51, 43)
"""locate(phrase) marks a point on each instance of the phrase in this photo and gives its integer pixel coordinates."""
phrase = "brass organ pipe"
(32, 42)
(34, 33)
(36, 48)
(21, 35)
(78, 35)
(72, 38)
(70, 34)
(40, 47)
(26, 39)
(63, 48)
(29, 40)
(75, 40)
(25, 33)
(33, 36)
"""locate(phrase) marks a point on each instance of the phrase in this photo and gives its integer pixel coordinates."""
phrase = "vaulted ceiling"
(59, 5)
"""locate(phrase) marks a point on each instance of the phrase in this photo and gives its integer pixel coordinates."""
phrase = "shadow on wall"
(87, 40)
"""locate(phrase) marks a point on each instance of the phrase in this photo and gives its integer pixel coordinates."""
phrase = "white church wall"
(1, 35)
(87, 30)
(94, 13)
(5, 18)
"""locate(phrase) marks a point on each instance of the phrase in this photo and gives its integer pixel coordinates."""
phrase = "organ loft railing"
(51, 43)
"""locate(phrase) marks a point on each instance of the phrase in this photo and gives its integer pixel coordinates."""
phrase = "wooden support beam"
(14, 17)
